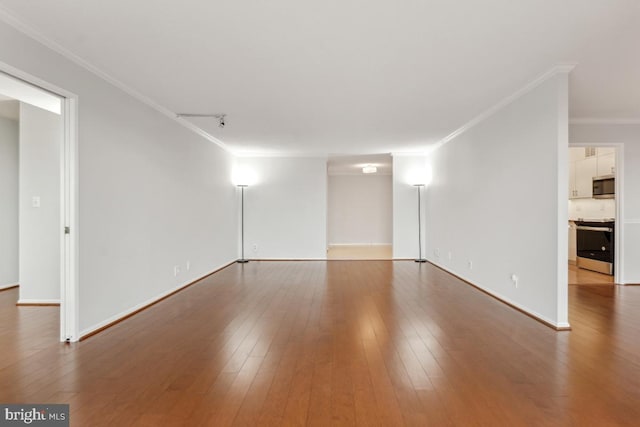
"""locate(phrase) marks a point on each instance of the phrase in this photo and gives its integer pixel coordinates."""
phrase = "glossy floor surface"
(334, 343)
(580, 276)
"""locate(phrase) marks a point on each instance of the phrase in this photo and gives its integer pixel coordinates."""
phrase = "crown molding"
(603, 121)
(563, 68)
(34, 34)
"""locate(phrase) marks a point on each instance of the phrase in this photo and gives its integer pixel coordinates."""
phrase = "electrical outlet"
(436, 252)
(515, 280)
(470, 264)
(255, 247)
(450, 256)
(188, 265)
(176, 270)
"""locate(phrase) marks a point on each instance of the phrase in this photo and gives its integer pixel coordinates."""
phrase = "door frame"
(618, 270)
(69, 298)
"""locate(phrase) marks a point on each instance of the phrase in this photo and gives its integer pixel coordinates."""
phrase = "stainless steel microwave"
(604, 187)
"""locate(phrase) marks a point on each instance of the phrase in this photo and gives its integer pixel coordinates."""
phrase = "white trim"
(10, 285)
(150, 301)
(619, 234)
(562, 197)
(33, 80)
(69, 201)
(504, 299)
(560, 68)
(603, 121)
(31, 32)
(70, 306)
(38, 301)
(15, 88)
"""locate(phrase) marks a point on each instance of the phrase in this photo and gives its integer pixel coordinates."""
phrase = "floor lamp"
(419, 259)
(242, 187)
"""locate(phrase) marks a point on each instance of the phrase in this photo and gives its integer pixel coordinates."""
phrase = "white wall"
(8, 202)
(628, 136)
(499, 199)
(41, 138)
(360, 209)
(286, 209)
(152, 194)
(405, 206)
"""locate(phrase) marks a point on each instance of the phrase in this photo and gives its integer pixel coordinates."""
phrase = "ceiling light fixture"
(369, 169)
(220, 117)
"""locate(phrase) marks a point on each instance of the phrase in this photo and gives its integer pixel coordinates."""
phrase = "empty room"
(319, 213)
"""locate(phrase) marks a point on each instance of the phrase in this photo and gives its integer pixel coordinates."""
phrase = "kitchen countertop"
(592, 220)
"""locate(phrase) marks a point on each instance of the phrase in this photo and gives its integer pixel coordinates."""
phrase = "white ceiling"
(349, 76)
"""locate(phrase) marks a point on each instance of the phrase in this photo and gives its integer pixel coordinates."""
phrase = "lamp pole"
(242, 260)
(420, 259)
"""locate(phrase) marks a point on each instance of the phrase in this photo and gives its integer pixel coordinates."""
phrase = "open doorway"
(359, 207)
(595, 227)
(38, 262)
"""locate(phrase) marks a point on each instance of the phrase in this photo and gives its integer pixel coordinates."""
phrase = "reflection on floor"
(580, 276)
(324, 343)
(359, 252)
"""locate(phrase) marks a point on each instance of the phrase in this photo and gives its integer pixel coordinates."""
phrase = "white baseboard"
(508, 301)
(38, 301)
(10, 285)
(126, 313)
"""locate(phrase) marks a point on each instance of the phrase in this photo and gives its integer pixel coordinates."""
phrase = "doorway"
(359, 207)
(47, 194)
(595, 217)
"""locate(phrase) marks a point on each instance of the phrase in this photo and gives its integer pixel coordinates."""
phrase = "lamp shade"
(243, 176)
(419, 177)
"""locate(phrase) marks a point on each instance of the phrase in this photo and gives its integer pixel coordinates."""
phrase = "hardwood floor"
(334, 343)
(580, 276)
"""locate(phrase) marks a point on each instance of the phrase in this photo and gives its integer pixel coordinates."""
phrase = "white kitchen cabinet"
(572, 180)
(606, 164)
(576, 153)
(581, 174)
(602, 151)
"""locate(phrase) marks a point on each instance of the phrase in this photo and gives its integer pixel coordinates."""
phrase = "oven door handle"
(587, 228)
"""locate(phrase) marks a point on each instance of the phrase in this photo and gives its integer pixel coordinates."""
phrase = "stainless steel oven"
(595, 245)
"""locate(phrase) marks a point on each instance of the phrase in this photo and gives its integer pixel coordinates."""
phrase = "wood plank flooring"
(580, 276)
(334, 343)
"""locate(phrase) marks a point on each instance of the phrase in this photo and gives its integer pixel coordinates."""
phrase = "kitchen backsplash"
(592, 208)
